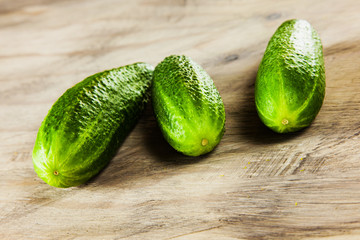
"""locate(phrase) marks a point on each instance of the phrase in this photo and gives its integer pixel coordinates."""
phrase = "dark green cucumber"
(290, 85)
(86, 125)
(187, 106)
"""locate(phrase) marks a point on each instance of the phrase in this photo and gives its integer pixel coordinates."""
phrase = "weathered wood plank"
(255, 185)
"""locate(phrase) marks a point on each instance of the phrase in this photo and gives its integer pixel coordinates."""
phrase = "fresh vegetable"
(188, 107)
(86, 125)
(290, 84)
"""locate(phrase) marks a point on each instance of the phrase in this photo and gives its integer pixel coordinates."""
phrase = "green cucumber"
(187, 106)
(87, 124)
(290, 84)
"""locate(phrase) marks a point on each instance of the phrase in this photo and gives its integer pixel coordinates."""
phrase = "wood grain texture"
(255, 185)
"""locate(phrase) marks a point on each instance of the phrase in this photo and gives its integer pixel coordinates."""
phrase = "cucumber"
(187, 106)
(87, 124)
(290, 84)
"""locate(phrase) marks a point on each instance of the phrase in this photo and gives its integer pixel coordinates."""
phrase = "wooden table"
(255, 185)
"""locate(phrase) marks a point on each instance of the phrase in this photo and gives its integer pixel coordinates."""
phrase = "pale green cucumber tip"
(204, 142)
(284, 121)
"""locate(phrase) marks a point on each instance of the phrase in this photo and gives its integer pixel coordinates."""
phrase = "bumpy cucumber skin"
(290, 84)
(188, 107)
(87, 124)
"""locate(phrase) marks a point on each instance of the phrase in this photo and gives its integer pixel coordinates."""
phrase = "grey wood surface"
(255, 185)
